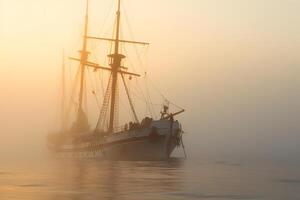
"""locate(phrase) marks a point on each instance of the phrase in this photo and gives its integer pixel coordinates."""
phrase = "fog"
(233, 65)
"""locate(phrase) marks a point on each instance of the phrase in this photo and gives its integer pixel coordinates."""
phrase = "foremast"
(63, 96)
(81, 122)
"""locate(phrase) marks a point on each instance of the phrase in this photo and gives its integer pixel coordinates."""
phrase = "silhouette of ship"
(149, 139)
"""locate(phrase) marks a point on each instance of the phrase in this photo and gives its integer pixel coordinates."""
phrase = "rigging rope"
(108, 14)
(102, 120)
(93, 88)
(75, 82)
(130, 100)
(146, 98)
(163, 96)
(85, 95)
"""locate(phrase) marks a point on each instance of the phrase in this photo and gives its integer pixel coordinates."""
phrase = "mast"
(83, 60)
(115, 68)
(63, 95)
(115, 65)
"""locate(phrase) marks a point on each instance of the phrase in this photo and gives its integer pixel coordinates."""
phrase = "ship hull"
(129, 145)
(141, 149)
(136, 149)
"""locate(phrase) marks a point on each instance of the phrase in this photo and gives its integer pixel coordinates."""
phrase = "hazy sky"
(233, 64)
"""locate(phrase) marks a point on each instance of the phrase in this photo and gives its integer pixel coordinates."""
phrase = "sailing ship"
(148, 139)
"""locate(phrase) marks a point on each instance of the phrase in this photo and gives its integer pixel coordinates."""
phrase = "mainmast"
(115, 66)
(115, 69)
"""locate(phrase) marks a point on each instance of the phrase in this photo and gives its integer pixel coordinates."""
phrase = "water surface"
(176, 179)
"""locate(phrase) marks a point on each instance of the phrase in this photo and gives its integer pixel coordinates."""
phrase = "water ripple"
(216, 196)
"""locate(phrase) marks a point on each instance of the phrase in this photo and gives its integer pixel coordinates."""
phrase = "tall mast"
(83, 60)
(115, 65)
(115, 69)
(63, 94)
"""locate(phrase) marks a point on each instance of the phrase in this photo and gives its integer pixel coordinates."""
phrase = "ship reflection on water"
(116, 179)
(58, 179)
(90, 179)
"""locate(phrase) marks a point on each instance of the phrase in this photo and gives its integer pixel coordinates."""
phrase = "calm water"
(176, 179)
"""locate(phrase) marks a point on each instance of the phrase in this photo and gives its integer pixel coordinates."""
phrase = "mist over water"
(233, 65)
